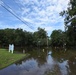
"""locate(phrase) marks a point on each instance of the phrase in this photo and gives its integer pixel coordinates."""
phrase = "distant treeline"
(21, 38)
(18, 37)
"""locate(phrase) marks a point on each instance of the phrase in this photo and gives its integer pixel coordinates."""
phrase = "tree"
(9, 35)
(22, 38)
(40, 36)
(70, 22)
(2, 39)
(19, 37)
(29, 37)
(57, 38)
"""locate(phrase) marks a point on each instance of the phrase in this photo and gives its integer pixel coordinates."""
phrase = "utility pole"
(47, 42)
(64, 40)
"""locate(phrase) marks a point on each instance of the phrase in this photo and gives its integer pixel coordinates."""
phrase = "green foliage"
(40, 36)
(2, 38)
(19, 37)
(57, 38)
(70, 23)
(22, 38)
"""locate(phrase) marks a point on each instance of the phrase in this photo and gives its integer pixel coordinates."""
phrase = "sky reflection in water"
(48, 63)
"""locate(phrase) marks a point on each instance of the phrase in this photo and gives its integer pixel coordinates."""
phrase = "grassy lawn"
(7, 58)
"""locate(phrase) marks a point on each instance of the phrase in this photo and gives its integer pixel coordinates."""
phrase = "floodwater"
(44, 62)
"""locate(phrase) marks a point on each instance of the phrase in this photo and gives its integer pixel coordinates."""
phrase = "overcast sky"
(38, 13)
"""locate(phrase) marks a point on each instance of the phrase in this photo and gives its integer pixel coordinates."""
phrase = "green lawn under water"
(7, 58)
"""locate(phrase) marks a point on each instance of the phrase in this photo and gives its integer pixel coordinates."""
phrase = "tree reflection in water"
(47, 62)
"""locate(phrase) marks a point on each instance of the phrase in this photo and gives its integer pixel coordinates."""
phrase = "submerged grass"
(7, 58)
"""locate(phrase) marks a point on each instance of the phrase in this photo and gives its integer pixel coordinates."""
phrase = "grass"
(7, 58)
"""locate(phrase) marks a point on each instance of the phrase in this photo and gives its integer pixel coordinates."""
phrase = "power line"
(14, 14)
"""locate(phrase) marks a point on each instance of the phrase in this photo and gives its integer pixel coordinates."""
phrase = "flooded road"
(44, 62)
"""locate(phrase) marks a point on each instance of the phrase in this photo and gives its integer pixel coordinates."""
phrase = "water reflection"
(49, 59)
(44, 62)
(72, 65)
(64, 67)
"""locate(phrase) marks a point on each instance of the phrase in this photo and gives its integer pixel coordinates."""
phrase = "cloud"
(44, 10)
(21, 26)
(42, 13)
(1, 3)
